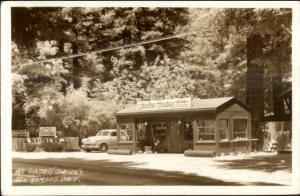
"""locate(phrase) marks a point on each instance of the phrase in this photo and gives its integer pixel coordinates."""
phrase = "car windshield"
(103, 133)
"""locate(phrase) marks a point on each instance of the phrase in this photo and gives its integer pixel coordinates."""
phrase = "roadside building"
(219, 125)
(278, 126)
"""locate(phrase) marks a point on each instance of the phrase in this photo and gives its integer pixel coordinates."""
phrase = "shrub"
(53, 147)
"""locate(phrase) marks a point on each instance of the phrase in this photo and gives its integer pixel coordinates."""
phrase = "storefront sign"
(47, 131)
(165, 104)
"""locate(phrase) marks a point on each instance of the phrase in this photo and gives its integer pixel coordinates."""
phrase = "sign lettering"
(165, 104)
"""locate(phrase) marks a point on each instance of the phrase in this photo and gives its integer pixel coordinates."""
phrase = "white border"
(200, 4)
(6, 164)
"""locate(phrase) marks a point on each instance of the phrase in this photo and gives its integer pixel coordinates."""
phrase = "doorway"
(159, 136)
(175, 138)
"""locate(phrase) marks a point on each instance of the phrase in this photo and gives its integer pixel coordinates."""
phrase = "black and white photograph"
(149, 98)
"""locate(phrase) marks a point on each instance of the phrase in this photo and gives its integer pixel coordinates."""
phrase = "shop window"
(140, 131)
(239, 128)
(206, 130)
(159, 130)
(126, 132)
(188, 131)
(224, 129)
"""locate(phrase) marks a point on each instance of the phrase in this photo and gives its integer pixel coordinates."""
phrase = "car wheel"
(87, 150)
(103, 148)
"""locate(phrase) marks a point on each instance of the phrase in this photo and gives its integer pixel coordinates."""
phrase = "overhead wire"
(109, 49)
(118, 47)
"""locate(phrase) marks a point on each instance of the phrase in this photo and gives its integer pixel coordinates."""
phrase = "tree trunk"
(255, 86)
(76, 67)
(61, 45)
(61, 53)
(76, 64)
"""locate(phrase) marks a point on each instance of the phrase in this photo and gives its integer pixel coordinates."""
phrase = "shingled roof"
(211, 104)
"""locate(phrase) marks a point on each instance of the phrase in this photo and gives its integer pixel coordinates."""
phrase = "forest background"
(242, 52)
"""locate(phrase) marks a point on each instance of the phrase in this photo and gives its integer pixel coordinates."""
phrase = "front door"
(175, 138)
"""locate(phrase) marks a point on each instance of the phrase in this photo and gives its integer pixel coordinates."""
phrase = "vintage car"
(102, 141)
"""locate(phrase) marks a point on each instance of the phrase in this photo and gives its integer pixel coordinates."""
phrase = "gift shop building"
(218, 125)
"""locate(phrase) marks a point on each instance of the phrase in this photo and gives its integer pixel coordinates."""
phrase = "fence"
(21, 144)
(18, 144)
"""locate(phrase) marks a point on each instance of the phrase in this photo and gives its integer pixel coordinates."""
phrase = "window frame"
(132, 132)
(227, 130)
(214, 131)
(185, 128)
(140, 131)
(247, 127)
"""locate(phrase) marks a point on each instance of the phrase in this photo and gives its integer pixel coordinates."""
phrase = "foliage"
(19, 97)
(166, 78)
(220, 42)
(84, 29)
(79, 96)
(85, 115)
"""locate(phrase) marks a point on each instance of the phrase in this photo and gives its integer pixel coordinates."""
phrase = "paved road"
(98, 172)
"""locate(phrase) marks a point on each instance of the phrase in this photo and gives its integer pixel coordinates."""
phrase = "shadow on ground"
(264, 163)
(104, 172)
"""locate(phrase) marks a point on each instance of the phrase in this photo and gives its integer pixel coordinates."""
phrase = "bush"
(30, 147)
(53, 147)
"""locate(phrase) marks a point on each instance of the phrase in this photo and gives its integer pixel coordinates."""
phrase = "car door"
(113, 139)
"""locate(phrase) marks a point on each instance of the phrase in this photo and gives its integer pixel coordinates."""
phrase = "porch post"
(195, 128)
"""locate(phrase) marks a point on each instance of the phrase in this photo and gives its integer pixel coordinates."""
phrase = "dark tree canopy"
(82, 93)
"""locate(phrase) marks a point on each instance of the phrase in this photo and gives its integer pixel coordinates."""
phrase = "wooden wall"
(233, 112)
(168, 118)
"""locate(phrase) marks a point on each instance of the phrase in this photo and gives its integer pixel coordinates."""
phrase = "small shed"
(219, 125)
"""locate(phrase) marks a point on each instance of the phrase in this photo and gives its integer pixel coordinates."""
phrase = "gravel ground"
(247, 169)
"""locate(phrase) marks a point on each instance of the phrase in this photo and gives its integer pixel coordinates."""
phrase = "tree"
(269, 52)
(255, 83)
(166, 78)
(77, 30)
(37, 84)
(250, 48)
(55, 32)
(218, 60)
(218, 51)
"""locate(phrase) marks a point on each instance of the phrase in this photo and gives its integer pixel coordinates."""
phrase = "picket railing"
(33, 144)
